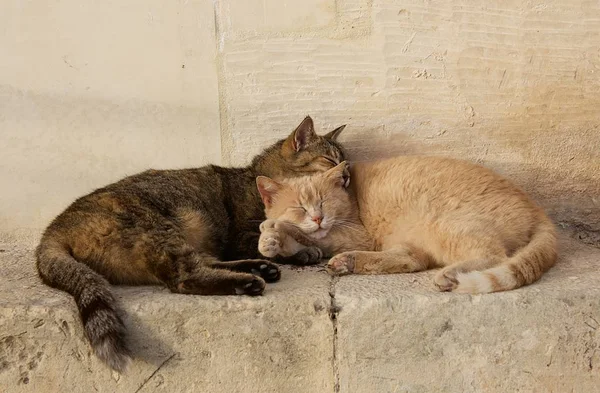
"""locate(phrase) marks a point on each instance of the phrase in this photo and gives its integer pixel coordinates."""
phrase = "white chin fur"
(319, 233)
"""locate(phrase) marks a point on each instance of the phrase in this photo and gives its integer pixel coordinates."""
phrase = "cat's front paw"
(269, 243)
(268, 225)
(341, 264)
(307, 256)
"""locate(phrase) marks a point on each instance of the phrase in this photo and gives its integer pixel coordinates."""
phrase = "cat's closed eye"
(329, 160)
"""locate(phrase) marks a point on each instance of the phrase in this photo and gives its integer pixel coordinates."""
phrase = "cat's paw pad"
(308, 256)
(269, 271)
(269, 244)
(445, 280)
(268, 225)
(252, 287)
(341, 264)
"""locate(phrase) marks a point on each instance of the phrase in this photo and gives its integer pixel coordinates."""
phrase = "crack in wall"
(334, 310)
(225, 134)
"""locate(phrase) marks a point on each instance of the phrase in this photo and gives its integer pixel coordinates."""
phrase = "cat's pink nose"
(318, 219)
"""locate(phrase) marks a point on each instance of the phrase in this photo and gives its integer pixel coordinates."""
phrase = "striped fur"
(194, 231)
(97, 307)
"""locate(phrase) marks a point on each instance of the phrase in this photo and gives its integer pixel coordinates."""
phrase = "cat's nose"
(318, 219)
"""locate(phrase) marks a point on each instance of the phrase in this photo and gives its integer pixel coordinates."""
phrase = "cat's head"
(313, 203)
(302, 153)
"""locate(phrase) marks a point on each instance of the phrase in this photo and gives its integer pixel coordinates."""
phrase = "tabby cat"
(409, 214)
(175, 228)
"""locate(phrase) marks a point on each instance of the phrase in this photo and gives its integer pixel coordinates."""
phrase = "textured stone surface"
(391, 333)
(91, 92)
(396, 334)
(280, 342)
(513, 85)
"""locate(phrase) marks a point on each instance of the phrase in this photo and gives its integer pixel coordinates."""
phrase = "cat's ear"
(267, 188)
(302, 136)
(333, 135)
(340, 174)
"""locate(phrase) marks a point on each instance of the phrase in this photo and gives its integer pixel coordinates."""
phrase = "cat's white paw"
(341, 264)
(269, 243)
(267, 225)
(445, 279)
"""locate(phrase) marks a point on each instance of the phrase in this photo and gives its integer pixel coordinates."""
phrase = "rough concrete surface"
(280, 342)
(396, 334)
(389, 334)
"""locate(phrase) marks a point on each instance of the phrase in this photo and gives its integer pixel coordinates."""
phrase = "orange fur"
(422, 212)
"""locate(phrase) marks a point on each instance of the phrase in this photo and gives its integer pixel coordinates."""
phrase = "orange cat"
(408, 214)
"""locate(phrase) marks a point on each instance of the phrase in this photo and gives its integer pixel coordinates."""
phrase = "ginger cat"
(409, 214)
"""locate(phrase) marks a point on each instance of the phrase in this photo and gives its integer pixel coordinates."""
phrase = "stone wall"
(93, 91)
(89, 92)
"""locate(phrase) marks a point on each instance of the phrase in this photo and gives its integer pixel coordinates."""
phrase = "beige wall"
(92, 92)
(513, 85)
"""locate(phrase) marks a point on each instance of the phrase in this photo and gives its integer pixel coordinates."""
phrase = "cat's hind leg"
(267, 270)
(202, 274)
(403, 258)
(463, 250)
(184, 269)
(185, 261)
(446, 279)
(210, 281)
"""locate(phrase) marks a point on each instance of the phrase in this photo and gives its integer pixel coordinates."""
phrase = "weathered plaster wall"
(513, 85)
(93, 91)
(90, 91)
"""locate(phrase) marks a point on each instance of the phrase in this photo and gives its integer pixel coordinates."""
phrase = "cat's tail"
(523, 268)
(97, 307)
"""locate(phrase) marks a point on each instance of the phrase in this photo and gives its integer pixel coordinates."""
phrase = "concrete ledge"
(280, 342)
(390, 334)
(396, 334)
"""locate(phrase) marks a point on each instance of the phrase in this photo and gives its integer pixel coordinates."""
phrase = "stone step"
(388, 334)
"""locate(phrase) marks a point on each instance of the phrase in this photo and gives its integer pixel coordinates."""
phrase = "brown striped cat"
(409, 214)
(194, 231)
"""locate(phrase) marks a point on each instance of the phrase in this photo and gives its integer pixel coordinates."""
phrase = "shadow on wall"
(570, 200)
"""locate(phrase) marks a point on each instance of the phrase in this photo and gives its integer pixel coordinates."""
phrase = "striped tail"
(97, 307)
(525, 267)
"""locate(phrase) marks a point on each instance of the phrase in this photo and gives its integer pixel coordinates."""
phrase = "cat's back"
(415, 176)
(426, 189)
(157, 186)
(137, 196)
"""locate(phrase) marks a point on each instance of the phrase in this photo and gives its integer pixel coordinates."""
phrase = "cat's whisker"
(353, 227)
